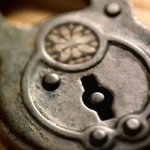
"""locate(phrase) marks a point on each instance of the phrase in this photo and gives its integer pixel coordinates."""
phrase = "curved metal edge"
(33, 110)
(76, 19)
(36, 114)
(61, 131)
(145, 112)
(10, 140)
(135, 48)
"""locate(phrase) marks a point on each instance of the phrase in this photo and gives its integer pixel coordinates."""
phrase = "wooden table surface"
(25, 13)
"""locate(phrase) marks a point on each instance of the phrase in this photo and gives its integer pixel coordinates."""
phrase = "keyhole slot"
(102, 97)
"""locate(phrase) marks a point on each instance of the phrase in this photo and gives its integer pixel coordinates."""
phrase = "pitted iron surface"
(83, 85)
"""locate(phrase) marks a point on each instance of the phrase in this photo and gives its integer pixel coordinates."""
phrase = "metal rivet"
(97, 98)
(132, 126)
(113, 9)
(98, 137)
(51, 81)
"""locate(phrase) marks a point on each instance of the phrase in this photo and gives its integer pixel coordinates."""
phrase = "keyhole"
(97, 98)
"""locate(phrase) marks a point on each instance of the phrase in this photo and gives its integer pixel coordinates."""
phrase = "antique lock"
(78, 81)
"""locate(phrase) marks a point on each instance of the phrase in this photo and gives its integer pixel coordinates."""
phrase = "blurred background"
(32, 11)
(27, 12)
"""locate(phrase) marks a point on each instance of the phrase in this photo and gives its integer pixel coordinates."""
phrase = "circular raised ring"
(71, 45)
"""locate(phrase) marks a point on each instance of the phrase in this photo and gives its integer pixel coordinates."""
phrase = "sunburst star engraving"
(71, 43)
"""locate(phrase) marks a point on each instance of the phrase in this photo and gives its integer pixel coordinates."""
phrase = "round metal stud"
(98, 137)
(132, 126)
(51, 81)
(97, 98)
(113, 9)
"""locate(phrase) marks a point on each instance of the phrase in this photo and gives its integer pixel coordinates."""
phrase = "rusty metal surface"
(78, 81)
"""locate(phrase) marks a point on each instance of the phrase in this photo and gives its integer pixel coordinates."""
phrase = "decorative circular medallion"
(71, 43)
(103, 78)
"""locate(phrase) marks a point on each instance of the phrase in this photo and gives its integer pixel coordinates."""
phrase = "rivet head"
(97, 98)
(98, 137)
(113, 9)
(132, 126)
(51, 81)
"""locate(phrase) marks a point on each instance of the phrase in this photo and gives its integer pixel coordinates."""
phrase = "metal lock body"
(78, 81)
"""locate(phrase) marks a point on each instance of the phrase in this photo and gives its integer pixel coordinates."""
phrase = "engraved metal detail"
(71, 43)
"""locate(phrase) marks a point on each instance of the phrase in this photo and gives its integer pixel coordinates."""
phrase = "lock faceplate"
(83, 84)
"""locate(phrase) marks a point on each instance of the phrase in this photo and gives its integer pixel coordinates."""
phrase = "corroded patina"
(78, 81)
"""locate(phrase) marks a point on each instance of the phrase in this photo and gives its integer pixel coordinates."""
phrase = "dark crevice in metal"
(104, 109)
